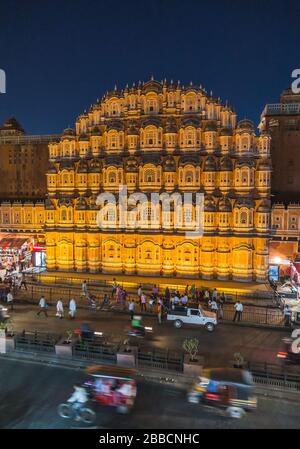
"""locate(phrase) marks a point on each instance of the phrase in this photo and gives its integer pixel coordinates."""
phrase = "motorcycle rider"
(136, 324)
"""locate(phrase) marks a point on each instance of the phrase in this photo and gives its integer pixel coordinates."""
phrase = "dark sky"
(59, 56)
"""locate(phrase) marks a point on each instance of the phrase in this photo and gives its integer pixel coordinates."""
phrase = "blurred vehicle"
(291, 354)
(85, 332)
(71, 411)
(198, 317)
(3, 314)
(137, 329)
(230, 389)
(287, 292)
(112, 386)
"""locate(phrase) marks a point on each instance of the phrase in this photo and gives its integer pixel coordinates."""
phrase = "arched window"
(243, 218)
(63, 215)
(149, 175)
(189, 177)
(112, 177)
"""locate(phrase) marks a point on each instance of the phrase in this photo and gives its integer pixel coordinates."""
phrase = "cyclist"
(79, 398)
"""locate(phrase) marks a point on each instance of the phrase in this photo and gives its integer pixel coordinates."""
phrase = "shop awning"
(12, 243)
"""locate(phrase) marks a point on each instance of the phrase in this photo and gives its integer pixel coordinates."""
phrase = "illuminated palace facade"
(160, 137)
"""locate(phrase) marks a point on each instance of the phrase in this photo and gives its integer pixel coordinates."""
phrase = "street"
(255, 344)
(31, 392)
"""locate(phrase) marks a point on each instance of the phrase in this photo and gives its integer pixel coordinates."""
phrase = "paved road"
(30, 394)
(218, 347)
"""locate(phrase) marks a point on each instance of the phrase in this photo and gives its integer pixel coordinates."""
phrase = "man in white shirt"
(10, 300)
(43, 306)
(238, 311)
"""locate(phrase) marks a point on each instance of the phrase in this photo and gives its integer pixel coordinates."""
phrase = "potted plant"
(192, 364)
(64, 347)
(238, 360)
(7, 336)
(126, 355)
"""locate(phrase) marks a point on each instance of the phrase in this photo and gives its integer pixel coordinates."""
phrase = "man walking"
(60, 309)
(131, 309)
(159, 312)
(84, 289)
(72, 308)
(10, 300)
(214, 306)
(143, 303)
(287, 315)
(43, 306)
(222, 302)
(238, 311)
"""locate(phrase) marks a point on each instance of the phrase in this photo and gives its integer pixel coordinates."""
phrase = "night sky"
(60, 56)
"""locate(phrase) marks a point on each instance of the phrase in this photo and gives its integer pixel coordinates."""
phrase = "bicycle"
(83, 413)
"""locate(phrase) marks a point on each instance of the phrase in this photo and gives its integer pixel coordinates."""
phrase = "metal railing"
(95, 349)
(274, 375)
(160, 359)
(36, 341)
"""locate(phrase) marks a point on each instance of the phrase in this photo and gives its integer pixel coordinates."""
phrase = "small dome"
(226, 132)
(244, 162)
(94, 166)
(246, 124)
(224, 205)
(131, 164)
(263, 208)
(83, 137)
(210, 126)
(96, 131)
(52, 169)
(132, 131)
(82, 167)
(210, 164)
(244, 202)
(209, 205)
(69, 132)
(192, 160)
(264, 165)
(171, 127)
(226, 164)
(81, 204)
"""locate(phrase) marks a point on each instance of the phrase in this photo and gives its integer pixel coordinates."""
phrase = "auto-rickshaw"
(228, 388)
(3, 315)
(113, 386)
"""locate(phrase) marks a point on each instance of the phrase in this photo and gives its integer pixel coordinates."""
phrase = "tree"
(191, 346)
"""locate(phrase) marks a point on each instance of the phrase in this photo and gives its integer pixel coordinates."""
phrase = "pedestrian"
(193, 292)
(59, 309)
(43, 306)
(155, 291)
(143, 302)
(23, 281)
(72, 308)
(214, 306)
(222, 302)
(84, 288)
(123, 298)
(167, 293)
(131, 309)
(215, 294)
(287, 315)
(10, 300)
(105, 301)
(159, 312)
(176, 300)
(238, 311)
(114, 288)
(119, 294)
(206, 296)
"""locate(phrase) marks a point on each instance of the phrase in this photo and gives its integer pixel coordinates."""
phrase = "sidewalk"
(162, 282)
